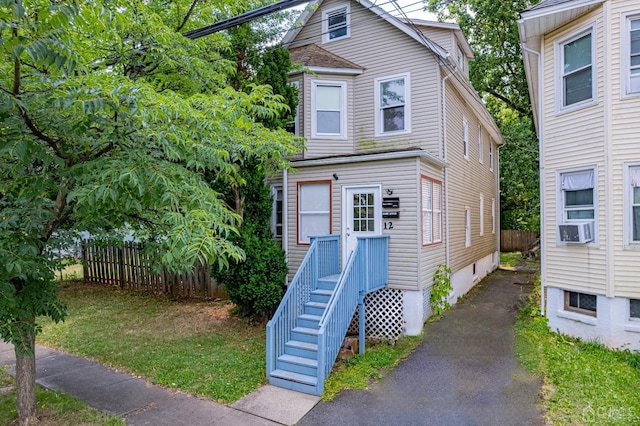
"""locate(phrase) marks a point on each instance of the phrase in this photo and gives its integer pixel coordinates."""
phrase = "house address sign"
(391, 215)
(391, 203)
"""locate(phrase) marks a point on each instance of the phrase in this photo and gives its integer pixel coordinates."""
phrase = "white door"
(361, 215)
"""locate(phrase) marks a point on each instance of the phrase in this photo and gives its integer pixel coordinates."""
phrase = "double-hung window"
(328, 100)
(578, 198)
(633, 55)
(393, 112)
(465, 138)
(491, 154)
(632, 196)
(576, 69)
(335, 23)
(467, 227)
(277, 213)
(314, 210)
(481, 214)
(431, 211)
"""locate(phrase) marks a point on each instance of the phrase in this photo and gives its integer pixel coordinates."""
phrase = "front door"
(361, 216)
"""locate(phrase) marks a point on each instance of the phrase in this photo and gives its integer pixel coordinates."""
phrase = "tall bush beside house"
(256, 284)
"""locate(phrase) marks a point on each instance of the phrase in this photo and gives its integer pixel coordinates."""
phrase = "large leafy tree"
(497, 73)
(110, 119)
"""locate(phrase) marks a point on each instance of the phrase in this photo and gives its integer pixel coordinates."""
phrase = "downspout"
(543, 268)
(446, 167)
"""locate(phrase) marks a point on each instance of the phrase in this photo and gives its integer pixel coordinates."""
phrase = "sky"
(413, 8)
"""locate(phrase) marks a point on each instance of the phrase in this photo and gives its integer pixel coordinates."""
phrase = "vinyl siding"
(625, 128)
(467, 179)
(578, 267)
(399, 175)
(401, 54)
(443, 37)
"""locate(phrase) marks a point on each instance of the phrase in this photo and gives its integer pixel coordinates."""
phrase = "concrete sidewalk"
(463, 373)
(141, 403)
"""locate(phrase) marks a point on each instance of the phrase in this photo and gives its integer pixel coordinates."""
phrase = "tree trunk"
(26, 377)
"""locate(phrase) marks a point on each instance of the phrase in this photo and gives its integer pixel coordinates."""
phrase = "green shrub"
(441, 289)
(256, 285)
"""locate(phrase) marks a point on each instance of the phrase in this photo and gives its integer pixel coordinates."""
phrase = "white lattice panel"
(384, 319)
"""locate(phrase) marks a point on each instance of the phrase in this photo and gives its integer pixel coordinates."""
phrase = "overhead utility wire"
(243, 17)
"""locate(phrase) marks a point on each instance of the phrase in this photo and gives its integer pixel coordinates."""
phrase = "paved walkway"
(463, 373)
(140, 403)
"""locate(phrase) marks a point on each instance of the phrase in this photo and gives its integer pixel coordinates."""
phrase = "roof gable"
(415, 34)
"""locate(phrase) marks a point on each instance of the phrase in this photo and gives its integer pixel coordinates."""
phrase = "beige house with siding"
(582, 59)
(398, 143)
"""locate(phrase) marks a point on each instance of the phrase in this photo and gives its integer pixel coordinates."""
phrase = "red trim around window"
(311, 182)
(422, 179)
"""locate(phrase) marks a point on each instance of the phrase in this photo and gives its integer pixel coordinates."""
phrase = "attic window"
(335, 23)
(460, 59)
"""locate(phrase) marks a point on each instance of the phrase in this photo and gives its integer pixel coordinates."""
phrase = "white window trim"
(296, 118)
(343, 110)
(432, 210)
(559, 54)
(626, 55)
(560, 200)
(325, 22)
(274, 194)
(491, 154)
(465, 137)
(467, 226)
(305, 240)
(493, 215)
(407, 105)
(480, 145)
(481, 214)
(628, 196)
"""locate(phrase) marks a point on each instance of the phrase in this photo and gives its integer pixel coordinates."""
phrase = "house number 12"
(388, 225)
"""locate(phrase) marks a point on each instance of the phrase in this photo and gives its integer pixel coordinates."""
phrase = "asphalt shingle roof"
(312, 55)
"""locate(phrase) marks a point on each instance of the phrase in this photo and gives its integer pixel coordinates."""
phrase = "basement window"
(634, 308)
(581, 303)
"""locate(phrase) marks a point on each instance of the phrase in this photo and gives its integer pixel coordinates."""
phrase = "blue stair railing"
(366, 271)
(306, 332)
(322, 259)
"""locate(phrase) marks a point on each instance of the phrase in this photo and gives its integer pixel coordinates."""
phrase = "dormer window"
(335, 23)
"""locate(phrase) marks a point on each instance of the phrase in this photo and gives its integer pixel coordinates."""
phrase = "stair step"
(309, 321)
(307, 362)
(295, 377)
(329, 282)
(297, 364)
(305, 334)
(301, 349)
(314, 308)
(321, 295)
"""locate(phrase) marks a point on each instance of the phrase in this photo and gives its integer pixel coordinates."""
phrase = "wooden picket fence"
(130, 268)
(518, 240)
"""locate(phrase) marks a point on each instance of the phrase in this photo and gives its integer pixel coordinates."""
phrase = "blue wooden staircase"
(305, 333)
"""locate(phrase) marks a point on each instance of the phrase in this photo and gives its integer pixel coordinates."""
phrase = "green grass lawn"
(194, 346)
(584, 382)
(54, 408)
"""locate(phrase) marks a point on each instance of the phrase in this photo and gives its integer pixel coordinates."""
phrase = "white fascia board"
(370, 157)
(342, 71)
(563, 7)
(309, 10)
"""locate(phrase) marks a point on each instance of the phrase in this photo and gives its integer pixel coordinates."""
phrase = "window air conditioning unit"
(579, 233)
